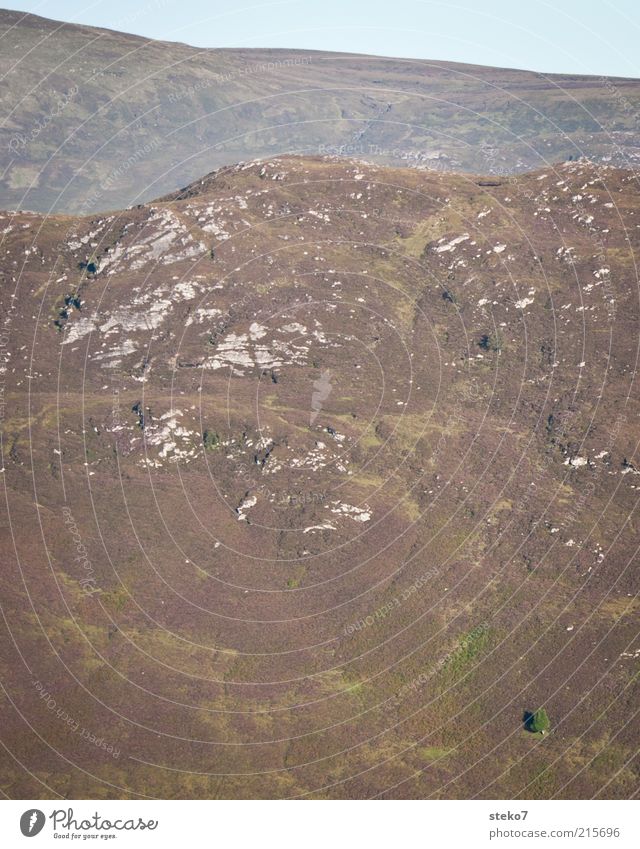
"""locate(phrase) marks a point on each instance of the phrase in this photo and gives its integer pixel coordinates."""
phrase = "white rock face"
(246, 504)
(358, 514)
(449, 246)
(174, 442)
(327, 526)
(522, 303)
(576, 462)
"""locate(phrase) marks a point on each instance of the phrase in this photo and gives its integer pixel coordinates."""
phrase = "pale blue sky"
(566, 36)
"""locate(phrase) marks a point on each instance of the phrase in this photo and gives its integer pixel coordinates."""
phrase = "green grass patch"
(433, 753)
(469, 647)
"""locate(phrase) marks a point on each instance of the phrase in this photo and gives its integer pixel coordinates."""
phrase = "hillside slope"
(318, 476)
(97, 120)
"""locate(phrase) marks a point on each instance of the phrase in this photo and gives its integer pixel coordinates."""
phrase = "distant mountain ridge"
(122, 119)
(317, 476)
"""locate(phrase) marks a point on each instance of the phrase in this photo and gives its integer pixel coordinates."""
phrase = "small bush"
(210, 440)
(538, 722)
(73, 301)
(491, 342)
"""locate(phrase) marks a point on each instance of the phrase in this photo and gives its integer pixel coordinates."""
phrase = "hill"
(318, 477)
